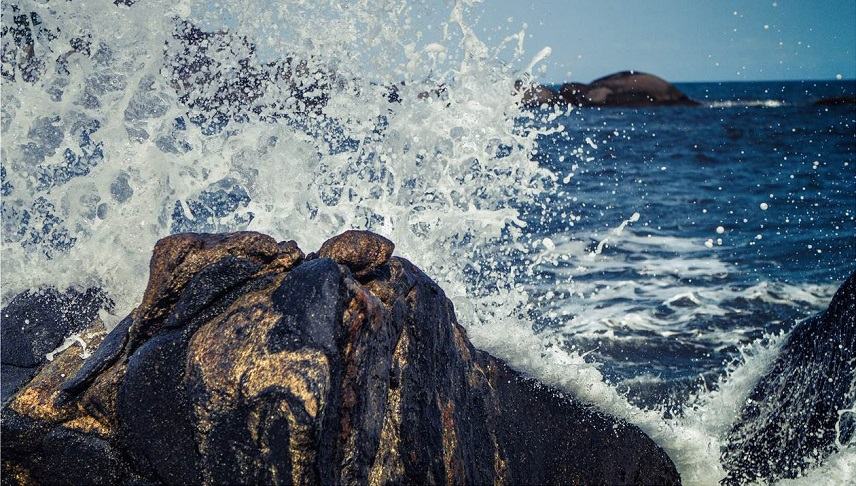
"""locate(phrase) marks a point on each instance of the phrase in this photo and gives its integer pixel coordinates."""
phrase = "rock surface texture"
(249, 362)
(36, 323)
(793, 418)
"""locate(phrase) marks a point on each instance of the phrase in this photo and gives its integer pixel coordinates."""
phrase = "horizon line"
(803, 80)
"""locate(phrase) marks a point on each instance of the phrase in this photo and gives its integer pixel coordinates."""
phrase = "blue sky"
(684, 40)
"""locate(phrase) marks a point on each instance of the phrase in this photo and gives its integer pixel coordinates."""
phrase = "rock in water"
(574, 93)
(792, 420)
(247, 362)
(36, 323)
(627, 88)
(537, 95)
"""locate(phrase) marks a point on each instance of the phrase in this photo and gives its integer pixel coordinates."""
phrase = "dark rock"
(836, 101)
(13, 377)
(602, 457)
(48, 444)
(361, 251)
(789, 422)
(71, 454)
(36, 323)
(154, 416)
(246, 363)
(574, 93)
(103, 357)
(311, 302)
(537, 95)
(633, 88)
(627, 89)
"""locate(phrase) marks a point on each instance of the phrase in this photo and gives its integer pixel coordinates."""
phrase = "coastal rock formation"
(632, 88)
(250, 362)
(574, 93)
(36, 323)
(537, 95)
(624, 89)
(804, 404)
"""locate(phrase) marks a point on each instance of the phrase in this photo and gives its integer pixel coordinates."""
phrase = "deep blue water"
(775, 174)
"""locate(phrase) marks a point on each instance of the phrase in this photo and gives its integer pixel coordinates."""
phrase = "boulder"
(796, 415)
(248, 362)
(627, 88)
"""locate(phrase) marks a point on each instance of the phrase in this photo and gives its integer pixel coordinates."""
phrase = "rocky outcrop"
(536, 95)
(798, 412)
(574, 93)
(632, 88)
(36, 323)
(624, 89)
(248, 362)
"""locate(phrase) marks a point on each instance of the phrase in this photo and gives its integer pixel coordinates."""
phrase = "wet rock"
(602, 458)
(248, 363)
(361, 251)
(104, 356)
(36, 323)
(791, 420)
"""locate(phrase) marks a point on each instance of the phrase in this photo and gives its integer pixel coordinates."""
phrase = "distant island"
(625, 88)
(628, 89)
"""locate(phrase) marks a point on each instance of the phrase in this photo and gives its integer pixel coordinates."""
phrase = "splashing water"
(124, 122)
(120, 141)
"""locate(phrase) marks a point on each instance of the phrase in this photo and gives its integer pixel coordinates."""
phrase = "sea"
(746, 211)
(649, 262)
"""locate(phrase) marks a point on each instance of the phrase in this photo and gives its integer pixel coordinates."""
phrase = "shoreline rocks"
(622, 89)
(792, 419)
(248, 361)
(36, 323)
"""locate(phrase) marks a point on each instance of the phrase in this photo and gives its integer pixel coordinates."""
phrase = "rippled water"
(582, 247)
(746, 224)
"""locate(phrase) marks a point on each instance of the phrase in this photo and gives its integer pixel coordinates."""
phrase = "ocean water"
(746, 225)
(646, 261)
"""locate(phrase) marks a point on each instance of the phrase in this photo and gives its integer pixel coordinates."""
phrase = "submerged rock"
(797, 414)
(247, 362)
